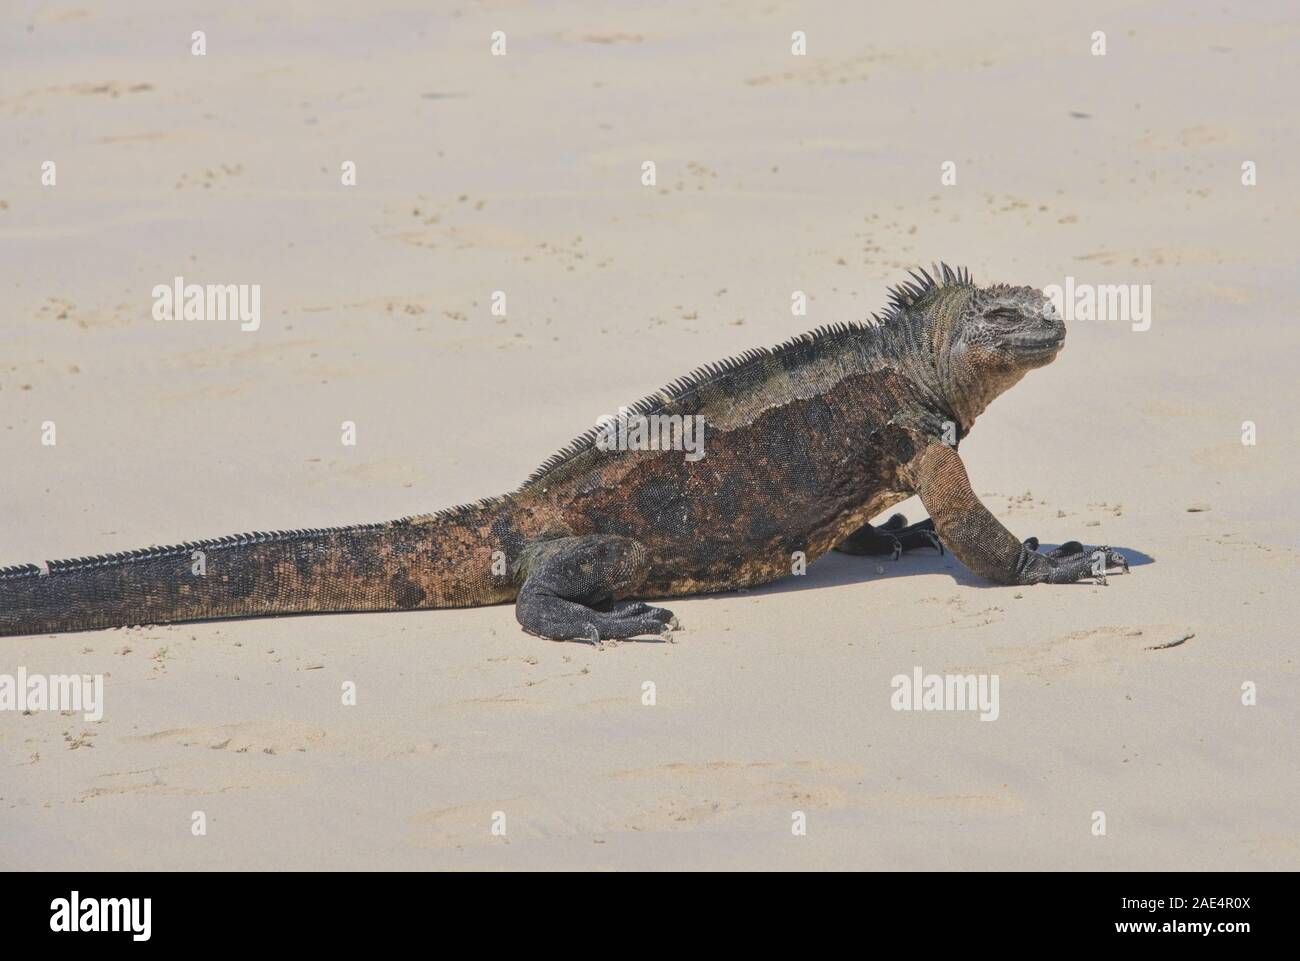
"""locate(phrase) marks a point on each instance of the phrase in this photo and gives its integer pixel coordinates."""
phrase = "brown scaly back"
(731, 373)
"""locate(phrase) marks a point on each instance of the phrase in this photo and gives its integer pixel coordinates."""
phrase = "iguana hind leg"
(892, 537)
(575, 588)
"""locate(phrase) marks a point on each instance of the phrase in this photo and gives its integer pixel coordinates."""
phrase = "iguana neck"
(944, 369)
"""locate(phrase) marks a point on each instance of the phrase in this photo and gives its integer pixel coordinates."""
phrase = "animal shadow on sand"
(836, 569)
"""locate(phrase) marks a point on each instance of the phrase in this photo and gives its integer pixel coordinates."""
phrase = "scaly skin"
(803, 444)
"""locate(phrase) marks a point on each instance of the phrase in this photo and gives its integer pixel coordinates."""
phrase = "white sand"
(776, 173)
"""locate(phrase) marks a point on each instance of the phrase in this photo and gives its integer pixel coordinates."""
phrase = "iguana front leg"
(981, 543)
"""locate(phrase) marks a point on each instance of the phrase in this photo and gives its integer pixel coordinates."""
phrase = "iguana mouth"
(1048, 342)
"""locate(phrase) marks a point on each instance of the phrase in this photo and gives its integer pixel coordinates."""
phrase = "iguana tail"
(442, 560)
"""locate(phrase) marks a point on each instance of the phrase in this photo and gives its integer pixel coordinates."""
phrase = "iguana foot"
(1073, 561)
(558, 619)
(568, 586)
(892, 537)
(628, 612)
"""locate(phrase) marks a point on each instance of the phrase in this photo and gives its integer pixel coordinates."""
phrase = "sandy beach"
(1166, 700)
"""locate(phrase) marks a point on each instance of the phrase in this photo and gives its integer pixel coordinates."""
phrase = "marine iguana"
(804, 444)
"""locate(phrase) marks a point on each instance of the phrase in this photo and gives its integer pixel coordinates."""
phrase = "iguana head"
(1006, 328)
(982, 339)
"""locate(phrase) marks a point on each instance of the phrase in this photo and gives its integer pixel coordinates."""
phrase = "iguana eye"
(1005, 315)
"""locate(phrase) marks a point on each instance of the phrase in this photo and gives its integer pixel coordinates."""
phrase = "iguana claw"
(1103, 557)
